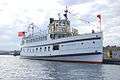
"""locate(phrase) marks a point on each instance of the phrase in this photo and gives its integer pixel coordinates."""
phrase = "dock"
(111, 55)
(111, 61)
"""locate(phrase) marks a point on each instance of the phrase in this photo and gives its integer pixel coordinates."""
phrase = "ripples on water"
(14, 68)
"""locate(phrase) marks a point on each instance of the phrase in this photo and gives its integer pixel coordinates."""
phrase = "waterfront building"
(112, 52)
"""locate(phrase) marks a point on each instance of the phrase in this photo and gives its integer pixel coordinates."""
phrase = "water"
(14, 68)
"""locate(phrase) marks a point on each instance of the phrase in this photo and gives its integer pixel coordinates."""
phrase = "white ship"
(63, 43)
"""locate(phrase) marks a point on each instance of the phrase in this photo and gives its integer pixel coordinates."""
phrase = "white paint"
(69, 48)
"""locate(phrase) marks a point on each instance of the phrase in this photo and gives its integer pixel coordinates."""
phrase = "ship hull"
(87, 58)
(81, 48)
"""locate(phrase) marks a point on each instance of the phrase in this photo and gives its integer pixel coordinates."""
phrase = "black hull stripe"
(66, 55)
(67, 41)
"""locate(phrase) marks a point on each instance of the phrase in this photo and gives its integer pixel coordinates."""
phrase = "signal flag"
(99, 16)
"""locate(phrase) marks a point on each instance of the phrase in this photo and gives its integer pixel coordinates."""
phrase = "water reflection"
(74, 71)
(14, 68)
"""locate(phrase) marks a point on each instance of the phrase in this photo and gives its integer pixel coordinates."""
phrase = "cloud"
(109, 10)
(74, 2)
(15, 15)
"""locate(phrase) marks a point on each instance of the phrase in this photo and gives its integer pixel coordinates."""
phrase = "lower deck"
(86, 46)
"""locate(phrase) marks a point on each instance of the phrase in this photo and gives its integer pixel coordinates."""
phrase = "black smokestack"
(51, 20)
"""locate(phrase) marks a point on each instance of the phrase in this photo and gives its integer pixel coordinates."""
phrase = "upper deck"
(81, 37)
(58, 29)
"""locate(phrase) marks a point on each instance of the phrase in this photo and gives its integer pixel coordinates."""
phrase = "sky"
(15, 15)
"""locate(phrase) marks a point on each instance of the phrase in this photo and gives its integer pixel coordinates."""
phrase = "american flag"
(21, 34)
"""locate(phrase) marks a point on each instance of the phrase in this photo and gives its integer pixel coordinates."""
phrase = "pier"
(111, 61)
(111, 55)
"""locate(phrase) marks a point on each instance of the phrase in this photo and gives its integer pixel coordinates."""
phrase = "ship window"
(59, 36)
(41, 38)
(96, 51)
(45, 37)
(82, 43)
(33, 50)
(56, 24)
(37, 39)
(31, 40)
(30, 50)
(63, 23)
(27, 41)
(40, 49)
(55, 47)
(68, 23)
(36, 49)
(49, 48)
(23, 49)
(45, 49)
(94, 42)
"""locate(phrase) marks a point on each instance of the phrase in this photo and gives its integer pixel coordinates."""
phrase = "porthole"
(36, 49)
(40, 49)
(82, 43)
(93, 42)
(45, 48)
(61, 45)
(49, 48)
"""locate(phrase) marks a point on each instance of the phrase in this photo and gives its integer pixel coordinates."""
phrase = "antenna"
(87, 21)
(31, 26)
(59, 16)
(66, 13)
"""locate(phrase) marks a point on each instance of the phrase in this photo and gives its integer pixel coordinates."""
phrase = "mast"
(59, 16)
(99, 16)
(66, 13)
